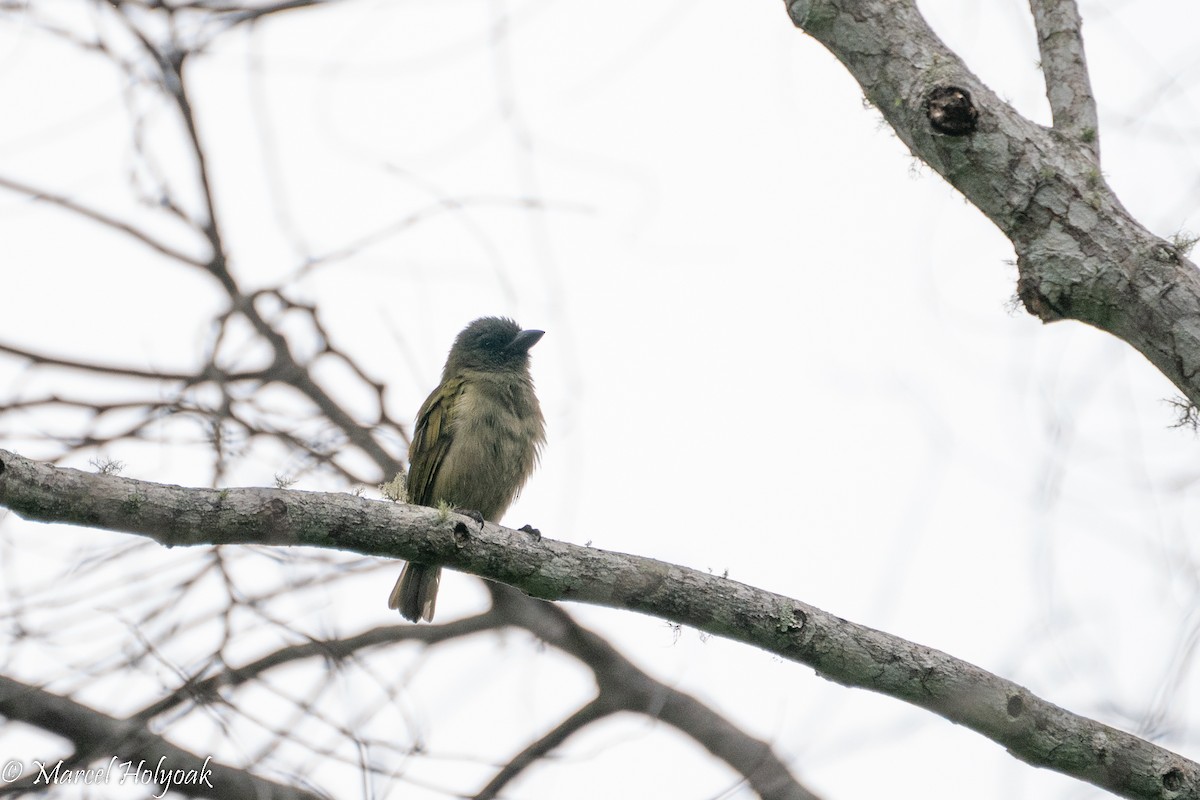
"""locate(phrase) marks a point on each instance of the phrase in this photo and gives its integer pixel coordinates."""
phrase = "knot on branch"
(1173, 780)
(950, 111)
(1038, 303)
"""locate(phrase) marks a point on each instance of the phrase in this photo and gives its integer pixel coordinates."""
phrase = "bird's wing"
(431, 440)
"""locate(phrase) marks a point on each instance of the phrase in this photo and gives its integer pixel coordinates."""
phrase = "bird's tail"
(415, 593)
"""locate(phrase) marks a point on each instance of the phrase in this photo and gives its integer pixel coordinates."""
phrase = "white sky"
(776, 345)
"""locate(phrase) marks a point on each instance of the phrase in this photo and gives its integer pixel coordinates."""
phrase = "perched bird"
(477, 440)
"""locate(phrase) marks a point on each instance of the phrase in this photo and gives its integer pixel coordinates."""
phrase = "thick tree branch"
(1080, 254)
(1031, 728)
(1068, 87)
(97, 735)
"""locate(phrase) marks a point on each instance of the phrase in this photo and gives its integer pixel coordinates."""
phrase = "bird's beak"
(524, 340)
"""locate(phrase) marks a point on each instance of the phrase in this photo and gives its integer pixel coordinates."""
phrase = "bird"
(478, 438)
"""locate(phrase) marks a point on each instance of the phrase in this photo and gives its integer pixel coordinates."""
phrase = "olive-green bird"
(477, 440)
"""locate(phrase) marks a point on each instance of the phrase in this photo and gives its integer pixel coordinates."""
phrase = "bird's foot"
(475, 515)
(532, 531)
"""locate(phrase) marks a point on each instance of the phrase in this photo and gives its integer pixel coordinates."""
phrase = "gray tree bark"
(1080, 254)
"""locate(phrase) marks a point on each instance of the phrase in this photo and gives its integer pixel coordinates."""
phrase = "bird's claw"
(532, 531)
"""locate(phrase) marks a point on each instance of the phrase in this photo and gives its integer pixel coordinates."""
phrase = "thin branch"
(170, 65)
(104, 219)
(1030, 727)
(285, 368)
(105, 369)
(592, 712)
(242, 13)
(443, 205)
(331, 649)
(1064, 66)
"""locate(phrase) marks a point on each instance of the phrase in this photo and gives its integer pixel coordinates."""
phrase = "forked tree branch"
(624, 687)
(1031, 728)
(1080, 254)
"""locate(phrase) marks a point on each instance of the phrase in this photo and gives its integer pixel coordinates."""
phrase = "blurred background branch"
(259, 389)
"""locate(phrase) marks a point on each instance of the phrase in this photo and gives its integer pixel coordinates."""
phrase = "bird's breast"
(496, 434)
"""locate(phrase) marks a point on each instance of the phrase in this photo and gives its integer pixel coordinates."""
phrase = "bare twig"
(104, 219)
(201, 690)
(591, 712)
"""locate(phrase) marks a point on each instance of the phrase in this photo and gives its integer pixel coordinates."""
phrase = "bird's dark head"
(493, 344)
